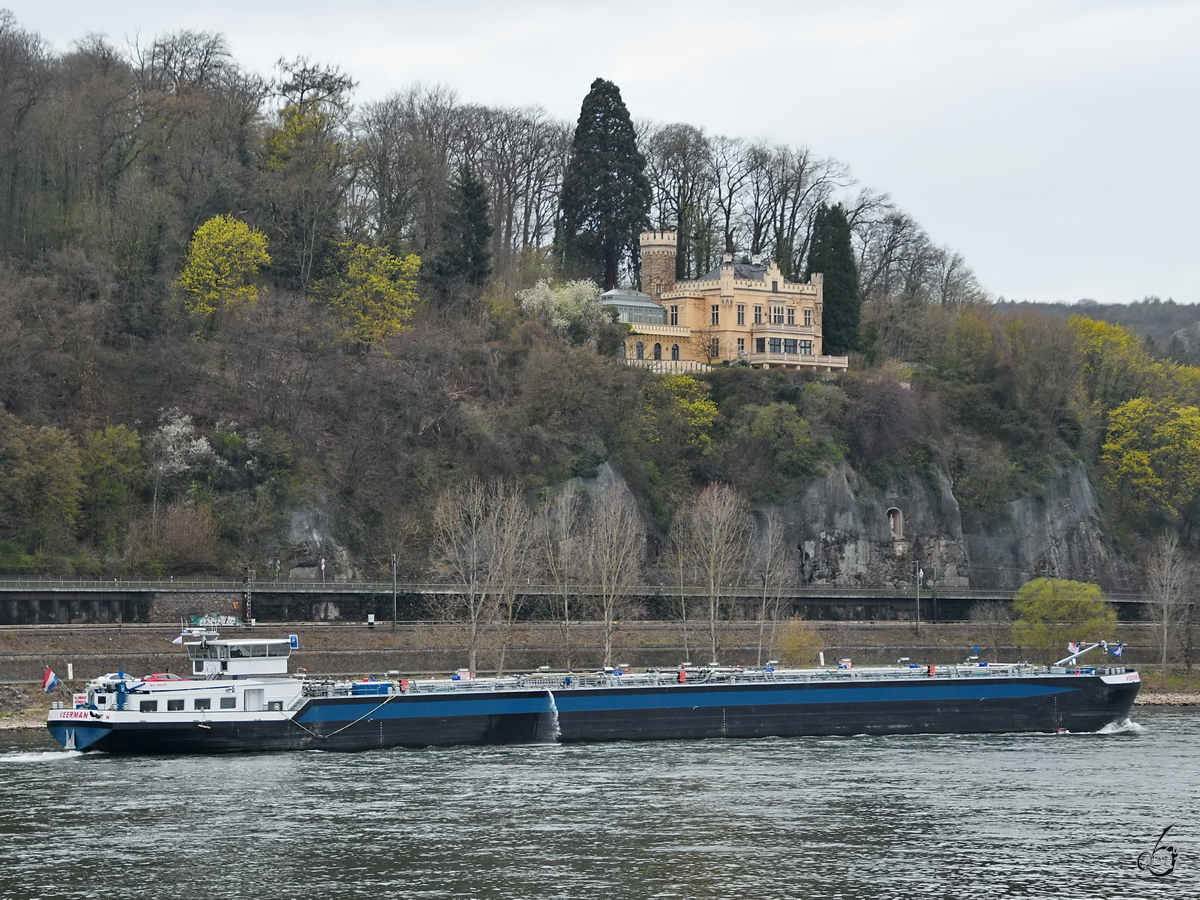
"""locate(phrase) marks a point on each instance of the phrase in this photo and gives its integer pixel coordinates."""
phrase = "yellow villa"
(735, 312)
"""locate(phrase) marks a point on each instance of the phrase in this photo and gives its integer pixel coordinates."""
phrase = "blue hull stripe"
(671, 698)
(585, 702)
(85, 735)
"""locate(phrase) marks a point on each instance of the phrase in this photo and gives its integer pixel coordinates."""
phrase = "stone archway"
(896, 523)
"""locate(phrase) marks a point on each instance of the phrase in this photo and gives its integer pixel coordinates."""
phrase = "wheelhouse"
(239, 658)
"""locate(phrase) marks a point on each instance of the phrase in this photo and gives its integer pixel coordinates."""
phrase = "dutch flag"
(49, 680)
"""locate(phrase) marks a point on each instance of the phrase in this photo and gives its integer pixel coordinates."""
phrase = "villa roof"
(742, 272)
(627, 297)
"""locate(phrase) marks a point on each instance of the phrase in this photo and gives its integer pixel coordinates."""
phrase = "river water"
(1044, 816)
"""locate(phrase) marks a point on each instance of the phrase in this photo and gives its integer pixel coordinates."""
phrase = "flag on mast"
(49, 680)
(1073, 647)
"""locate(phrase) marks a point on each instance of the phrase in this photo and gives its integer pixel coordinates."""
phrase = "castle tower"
(658, 262)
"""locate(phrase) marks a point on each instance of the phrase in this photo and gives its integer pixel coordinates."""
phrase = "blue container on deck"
(369, 687)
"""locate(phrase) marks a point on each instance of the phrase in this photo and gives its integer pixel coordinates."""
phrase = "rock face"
(1055, 533)
(849, 532)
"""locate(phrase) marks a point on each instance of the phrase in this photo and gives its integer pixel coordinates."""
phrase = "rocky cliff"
(850, 532)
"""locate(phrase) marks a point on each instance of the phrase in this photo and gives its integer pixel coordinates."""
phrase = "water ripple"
(870, 818)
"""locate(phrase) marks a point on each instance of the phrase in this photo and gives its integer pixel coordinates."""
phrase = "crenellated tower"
(658, 262)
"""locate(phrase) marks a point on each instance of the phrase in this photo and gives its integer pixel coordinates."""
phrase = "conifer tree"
(833, 256)
(605, 195)
(466, 231)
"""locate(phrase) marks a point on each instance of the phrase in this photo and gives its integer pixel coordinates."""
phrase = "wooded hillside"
(235, 309)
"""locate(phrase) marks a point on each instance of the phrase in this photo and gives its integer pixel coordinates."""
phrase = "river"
(1043, 816)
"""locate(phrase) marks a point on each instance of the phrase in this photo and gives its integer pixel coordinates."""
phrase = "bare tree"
(996, 619)
(773, 568)
(481, 532)
(678, 561)
(561, 554)
(616, 544)
(513, 533)
(719, 529)
(1169, 578)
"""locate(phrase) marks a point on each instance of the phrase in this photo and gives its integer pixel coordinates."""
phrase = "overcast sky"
(1053, 144)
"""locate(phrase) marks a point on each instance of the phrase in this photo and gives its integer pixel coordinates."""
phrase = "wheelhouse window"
(202, 703)
(229, 703)
(174, 705)
(148, 706)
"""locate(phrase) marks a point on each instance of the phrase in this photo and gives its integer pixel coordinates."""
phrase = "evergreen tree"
(464, 256)
(605, 195)
(832, 255)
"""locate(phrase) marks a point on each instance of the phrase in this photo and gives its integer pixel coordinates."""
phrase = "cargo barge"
(241, 699)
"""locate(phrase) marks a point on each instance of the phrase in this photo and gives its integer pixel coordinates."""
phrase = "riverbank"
(1158, 698)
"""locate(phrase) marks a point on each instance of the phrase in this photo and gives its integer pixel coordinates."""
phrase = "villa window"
(806, 348)
(716, 314)
(776, 315)
(675, 352)
(741, 319)
(791, 315)
(758, 315)
(760, 345)
(658, 351)
(776, 345)
(674, 315)
(808, 318)
(789, 346)
(639, 351)
(774, 287)
(741, 345)
(714, 348)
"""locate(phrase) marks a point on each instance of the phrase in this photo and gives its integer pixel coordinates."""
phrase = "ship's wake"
(1125, 726)
(41, 756)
